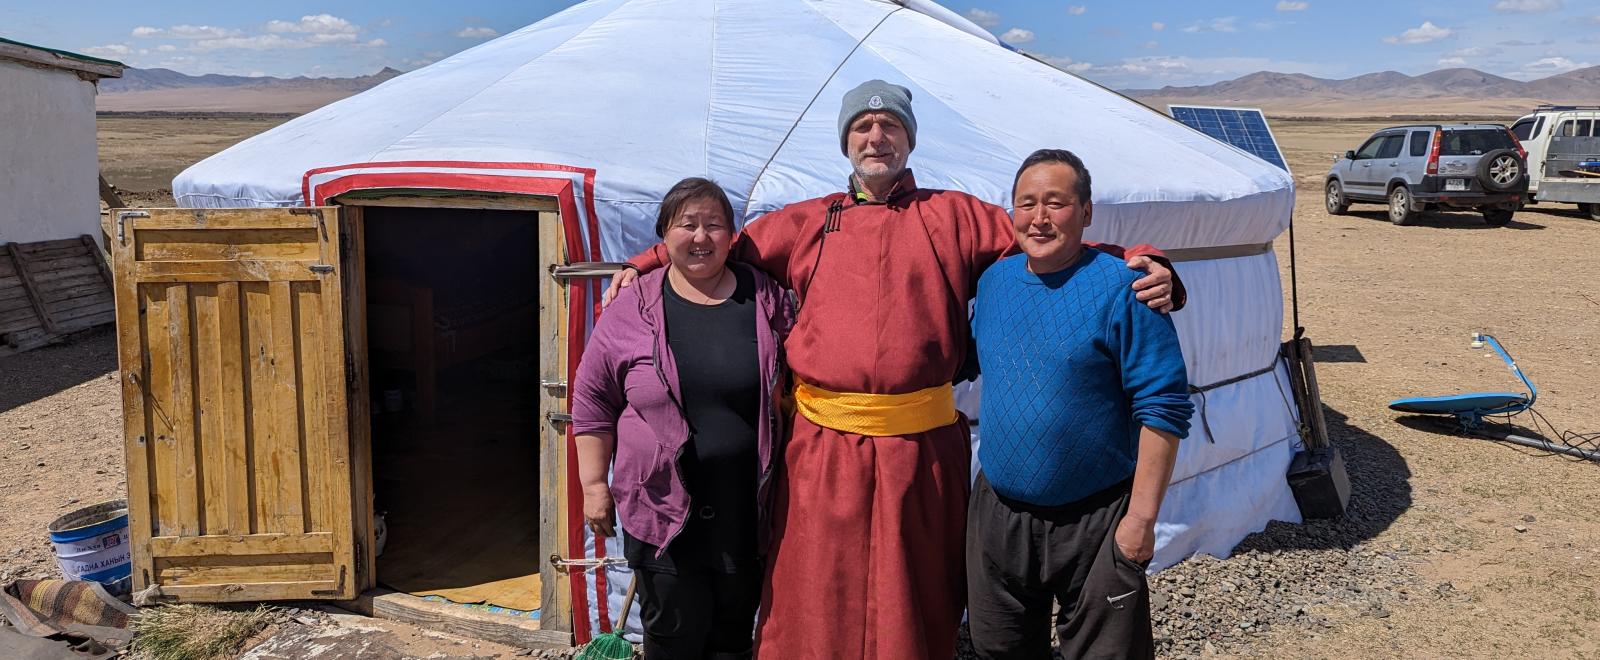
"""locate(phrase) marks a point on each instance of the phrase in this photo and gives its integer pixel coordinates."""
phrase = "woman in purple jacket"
(679, 385)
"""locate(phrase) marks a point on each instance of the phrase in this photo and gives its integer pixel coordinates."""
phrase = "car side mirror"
(1350, 154)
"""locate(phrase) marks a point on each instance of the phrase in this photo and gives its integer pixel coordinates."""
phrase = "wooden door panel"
(230, 333)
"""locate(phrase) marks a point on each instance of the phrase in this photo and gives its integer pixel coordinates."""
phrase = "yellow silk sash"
(877, 414)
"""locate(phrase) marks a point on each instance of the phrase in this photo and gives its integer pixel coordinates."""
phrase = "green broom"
(612, 645)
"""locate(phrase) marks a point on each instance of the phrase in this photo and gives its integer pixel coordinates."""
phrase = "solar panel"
(1245, 128)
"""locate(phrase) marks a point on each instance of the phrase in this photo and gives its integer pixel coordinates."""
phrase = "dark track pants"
(1021, 557)
(699, 615)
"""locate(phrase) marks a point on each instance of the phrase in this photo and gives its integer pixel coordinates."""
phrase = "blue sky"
(1121, 44)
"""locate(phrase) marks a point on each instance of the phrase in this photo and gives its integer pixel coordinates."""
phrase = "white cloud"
(166, 48)
(1526, 6)
(1224, 24)
(984, 18)
(320, 24)
(477, 33)
(1151, 45)
(1421, 34)
(376, 43)
(1519, 42)
(1158, 26)
(259, 42)
(1158, 70)
(1287, 5)
(1076, 10)
(1553, 65)
(184, 32)
(1017, 36)
(1474, 51)
(1452, 61)
(110, 50)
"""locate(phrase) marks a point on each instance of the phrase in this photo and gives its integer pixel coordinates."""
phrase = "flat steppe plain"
(1455, 547)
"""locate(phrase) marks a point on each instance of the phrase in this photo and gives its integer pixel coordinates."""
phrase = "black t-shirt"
(719, 377)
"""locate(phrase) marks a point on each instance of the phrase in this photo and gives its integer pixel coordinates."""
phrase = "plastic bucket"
(92, 544)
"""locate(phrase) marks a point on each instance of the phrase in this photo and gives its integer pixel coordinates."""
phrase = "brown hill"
(167, 90)
(1457, 91)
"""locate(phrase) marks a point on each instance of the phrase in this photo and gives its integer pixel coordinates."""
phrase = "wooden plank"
(513, 631)
(41, 266)
(224, 271)
(164, 455)
(68, 289)
(83, 323)
(43, 259)
(39, 56)
(248, 592)
(284, 455)
(99, 256)
(26, 278)
(20, 320)
(45, 280)
(186, 455)
(16, 304)
(45, 246)
(241, 544)
(555, 587)
(209, 443)
(109, 195)
(132, 372)
(219, 245)
(255, 322)
(238, 498)
(316, 468)
(497, 202)
(90, 307)
(226, 219)
(358, 400)
(250, 567)
(335, 412)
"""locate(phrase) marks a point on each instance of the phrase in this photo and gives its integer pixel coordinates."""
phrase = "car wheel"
(1400, 211)
(1337, 204)
(1502, 170)
(1590, 210)
(1497, 217)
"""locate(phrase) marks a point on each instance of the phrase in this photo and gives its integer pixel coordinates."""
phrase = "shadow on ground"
(1447, 220)
(36, 374)
(1380, 490)
(1449, 431)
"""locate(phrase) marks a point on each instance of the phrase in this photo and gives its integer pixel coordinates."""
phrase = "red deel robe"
(868, 532)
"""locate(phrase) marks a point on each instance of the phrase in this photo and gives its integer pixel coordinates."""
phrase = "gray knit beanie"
(876, 95)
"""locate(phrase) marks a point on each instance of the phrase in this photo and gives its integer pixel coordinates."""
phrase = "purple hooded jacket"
(627, 385)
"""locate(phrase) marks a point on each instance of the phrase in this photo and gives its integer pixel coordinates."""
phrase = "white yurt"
(605, 105)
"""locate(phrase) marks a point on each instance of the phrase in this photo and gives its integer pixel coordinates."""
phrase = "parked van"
(1562, 124)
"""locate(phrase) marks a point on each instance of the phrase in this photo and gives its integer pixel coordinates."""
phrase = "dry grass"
(196, 632)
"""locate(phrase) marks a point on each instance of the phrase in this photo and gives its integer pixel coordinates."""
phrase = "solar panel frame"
(1245, 129)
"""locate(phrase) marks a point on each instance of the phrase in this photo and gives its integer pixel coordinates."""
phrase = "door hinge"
(554, 387)
(122, 223)
(558, 418)
(322, 268)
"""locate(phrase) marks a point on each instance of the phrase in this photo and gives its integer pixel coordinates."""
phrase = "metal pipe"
(1537, 443)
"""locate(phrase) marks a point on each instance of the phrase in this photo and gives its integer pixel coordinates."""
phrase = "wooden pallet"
(51, 289)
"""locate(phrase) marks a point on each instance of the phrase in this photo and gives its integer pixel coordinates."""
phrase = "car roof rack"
(1567, 107)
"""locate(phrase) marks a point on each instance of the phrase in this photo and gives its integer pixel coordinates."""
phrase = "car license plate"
(1455, 184)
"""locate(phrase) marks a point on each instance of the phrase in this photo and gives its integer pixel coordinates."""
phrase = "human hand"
(598, 511)
(622, 280)
(1136, 538)
(1155, 288)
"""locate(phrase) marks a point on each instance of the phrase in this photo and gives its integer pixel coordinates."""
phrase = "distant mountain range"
(1445, 92)
(168, 90)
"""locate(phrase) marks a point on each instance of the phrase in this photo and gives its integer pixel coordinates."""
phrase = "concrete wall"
(48, 158)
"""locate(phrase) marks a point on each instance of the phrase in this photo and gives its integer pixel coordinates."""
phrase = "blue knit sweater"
(1073, 366)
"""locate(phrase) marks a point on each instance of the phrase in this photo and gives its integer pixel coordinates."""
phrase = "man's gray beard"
(862, 176)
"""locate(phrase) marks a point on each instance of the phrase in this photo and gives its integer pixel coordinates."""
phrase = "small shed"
(53, 278)
(49, 165)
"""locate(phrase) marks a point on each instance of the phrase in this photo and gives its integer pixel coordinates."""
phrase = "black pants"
(1022, 557)
(698, 615)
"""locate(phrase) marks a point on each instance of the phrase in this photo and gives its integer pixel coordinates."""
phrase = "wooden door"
(231, 351)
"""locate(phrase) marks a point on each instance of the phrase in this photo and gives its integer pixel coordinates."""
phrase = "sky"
(1123, 44)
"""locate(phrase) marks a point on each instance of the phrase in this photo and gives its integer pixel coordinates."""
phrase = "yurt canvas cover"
(610, 102)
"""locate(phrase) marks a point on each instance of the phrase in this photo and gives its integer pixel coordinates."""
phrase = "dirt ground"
(1494, 546)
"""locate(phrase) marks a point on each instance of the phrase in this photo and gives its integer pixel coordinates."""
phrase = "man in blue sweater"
(1085, 397)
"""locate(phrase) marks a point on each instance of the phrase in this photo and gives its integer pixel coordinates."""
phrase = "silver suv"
(1415, 169)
